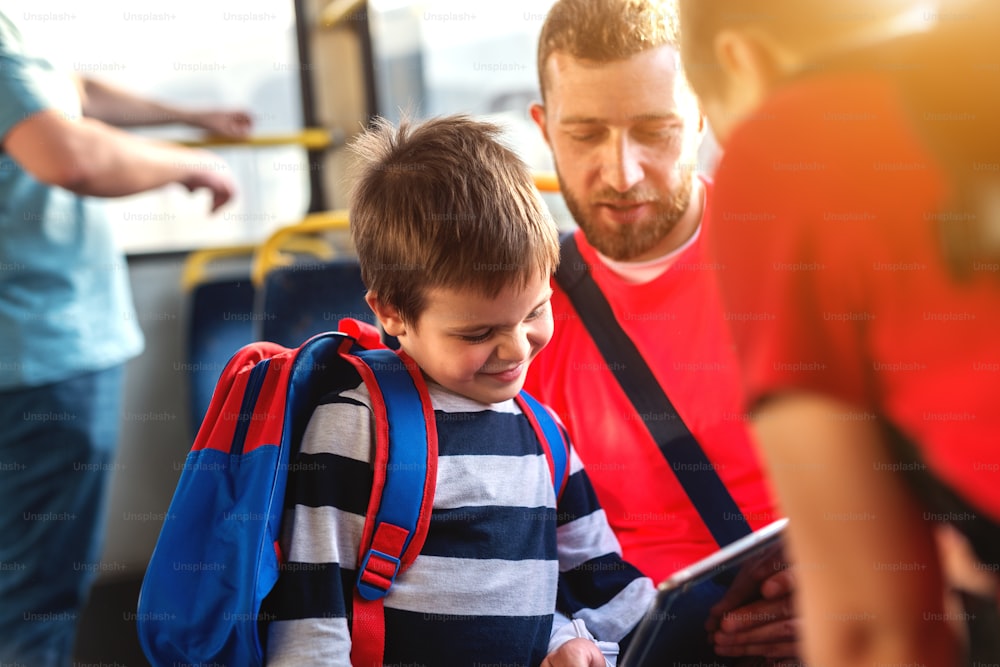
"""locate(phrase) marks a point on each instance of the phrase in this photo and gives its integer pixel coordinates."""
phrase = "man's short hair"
(445, 204)
(604, 31)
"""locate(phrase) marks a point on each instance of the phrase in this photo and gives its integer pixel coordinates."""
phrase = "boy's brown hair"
(445, 204)
(604, 31)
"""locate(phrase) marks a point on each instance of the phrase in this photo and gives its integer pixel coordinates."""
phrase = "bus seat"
(319, 237)
(220, 301)
(307, 279)
(299, 301)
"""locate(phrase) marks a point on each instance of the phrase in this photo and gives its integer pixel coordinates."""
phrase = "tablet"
(673, 629)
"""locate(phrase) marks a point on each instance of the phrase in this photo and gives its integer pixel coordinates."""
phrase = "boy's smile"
(477, 346)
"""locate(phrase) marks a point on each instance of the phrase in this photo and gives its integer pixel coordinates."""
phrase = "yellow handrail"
(546, 181)
(194, 270)
(295, 238)
(310, 138)
(338, 10)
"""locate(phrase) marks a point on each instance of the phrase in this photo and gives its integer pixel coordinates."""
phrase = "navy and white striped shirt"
(497, 556)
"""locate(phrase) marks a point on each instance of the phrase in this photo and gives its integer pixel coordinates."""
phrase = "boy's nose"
(514, 348)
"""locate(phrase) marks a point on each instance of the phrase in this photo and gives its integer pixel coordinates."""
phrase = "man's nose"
(621, 168)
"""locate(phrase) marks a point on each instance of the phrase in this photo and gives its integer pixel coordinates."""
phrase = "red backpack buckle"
(381, 562)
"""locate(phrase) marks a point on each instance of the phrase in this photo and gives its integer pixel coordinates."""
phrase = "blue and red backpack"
(217, 556)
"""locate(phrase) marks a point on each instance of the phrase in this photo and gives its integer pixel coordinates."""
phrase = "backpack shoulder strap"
(550, 435)
(238, 384)
(692, 468)
(402, 495)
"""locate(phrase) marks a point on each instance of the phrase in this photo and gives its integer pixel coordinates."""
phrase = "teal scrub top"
(65, 302)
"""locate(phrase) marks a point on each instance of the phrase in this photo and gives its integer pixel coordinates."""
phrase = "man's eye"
(660, 133)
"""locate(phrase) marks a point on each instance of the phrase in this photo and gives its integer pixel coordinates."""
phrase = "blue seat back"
(302, 300)
(220, 321)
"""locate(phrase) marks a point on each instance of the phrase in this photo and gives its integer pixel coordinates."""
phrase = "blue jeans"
(57, 450)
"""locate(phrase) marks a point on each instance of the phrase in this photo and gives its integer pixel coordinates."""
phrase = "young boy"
(457, 251)
(862, 356)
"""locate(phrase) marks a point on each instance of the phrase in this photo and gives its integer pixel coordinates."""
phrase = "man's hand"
(211, 172)
(765, 626)
(120, 107)
(575, 653)
(228, 124)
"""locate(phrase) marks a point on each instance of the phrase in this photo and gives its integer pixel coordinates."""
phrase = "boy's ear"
(388, 316)
(538, 115)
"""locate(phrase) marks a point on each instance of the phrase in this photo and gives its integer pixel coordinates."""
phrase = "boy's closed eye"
(480, 336)
(476, 338)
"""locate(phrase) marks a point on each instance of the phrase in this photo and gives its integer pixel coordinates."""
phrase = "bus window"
(435, 57)
(228, 53)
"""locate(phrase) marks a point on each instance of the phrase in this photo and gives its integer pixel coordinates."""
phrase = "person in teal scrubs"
(67, 324)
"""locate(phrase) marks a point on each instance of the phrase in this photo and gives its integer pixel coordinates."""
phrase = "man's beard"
(623, 242)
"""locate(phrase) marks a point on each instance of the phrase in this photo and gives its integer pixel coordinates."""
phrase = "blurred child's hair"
(807, 28)
(923, 51)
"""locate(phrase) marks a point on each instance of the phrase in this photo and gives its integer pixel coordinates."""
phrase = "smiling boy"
(456, 250)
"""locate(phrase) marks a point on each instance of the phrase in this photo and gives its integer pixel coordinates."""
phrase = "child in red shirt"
(875, 360)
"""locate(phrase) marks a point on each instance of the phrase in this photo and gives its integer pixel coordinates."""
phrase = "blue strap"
(252, 391)
(552, 440)
(406, 469)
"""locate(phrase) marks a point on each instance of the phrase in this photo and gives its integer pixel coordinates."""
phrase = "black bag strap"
(943, 502)
(687, 460)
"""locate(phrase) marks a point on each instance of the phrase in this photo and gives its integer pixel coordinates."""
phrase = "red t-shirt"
(825, 224)
(676, 322)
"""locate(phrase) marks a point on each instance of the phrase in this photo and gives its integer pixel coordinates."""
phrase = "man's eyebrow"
(640, 118)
